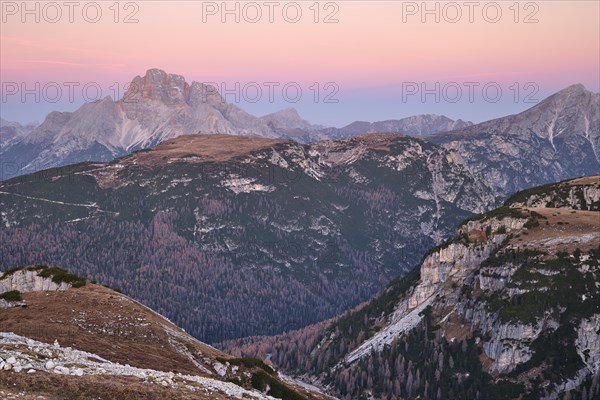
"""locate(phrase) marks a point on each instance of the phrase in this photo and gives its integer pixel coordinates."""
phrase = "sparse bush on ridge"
(262, 380)
(499, 213)
(248, 362)
(11, 271)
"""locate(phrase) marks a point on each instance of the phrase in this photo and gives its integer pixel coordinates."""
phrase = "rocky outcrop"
(509, 345)
(444, 270)
(454, 263)
(8, 304)
(588, 342)
(29, 281)
(23, 355)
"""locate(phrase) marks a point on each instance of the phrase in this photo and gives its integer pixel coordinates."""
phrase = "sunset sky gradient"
(369, 53)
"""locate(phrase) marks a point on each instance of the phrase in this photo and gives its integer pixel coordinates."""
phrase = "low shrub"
(261, 380)
(13, 295)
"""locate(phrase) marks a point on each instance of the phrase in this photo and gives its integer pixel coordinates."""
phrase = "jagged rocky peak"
(156, 84)
(577, 89)
(205, 93)
(156, 106)
(287, 118)
(575, 106)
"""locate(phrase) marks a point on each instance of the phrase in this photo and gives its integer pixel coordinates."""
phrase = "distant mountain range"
(13, 131)
(508, 308)
(160, 106)
(559, 138)
(418, 124)
(415, 125)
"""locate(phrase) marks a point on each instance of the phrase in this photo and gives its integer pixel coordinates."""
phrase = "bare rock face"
(24, 281)
(557, 139)
(454, 263)
(450, 267)
(588, 342)
(508, 346)
(159, 86)
(29, 281)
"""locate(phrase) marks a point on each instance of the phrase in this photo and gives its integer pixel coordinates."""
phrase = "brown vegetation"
(100, 321)
(46, 386)
(206, 147)
(562, 230)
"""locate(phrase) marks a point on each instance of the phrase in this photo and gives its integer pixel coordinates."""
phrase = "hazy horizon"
(364, 71)
(492, 111)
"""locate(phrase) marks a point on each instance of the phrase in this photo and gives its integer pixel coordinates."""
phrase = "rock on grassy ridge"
(98, 343)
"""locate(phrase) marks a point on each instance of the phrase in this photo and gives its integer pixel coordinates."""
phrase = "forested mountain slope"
(232, 236)
(509, 308)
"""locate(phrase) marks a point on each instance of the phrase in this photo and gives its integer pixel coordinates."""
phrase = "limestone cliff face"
(509, 345)
(588, 342)
(25, 281)
(494, 284)
(442, 272)
(29, 281)
(454, 264)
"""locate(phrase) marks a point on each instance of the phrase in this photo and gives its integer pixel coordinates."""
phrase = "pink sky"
(370, 48)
